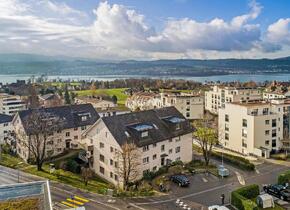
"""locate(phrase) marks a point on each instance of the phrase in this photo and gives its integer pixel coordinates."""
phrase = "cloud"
(119, 32)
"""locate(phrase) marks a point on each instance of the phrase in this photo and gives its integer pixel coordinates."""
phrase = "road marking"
(204, 179)
(240, 178)
(138, 207)
(257, 171)
(81, 199)
(75, 202)
(69, 204)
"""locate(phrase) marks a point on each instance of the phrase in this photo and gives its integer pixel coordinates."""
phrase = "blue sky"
(143, 29)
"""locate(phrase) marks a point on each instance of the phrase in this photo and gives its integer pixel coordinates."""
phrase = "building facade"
(256, 127)
(99, 103)
(161, 136)
(275, 95)
(11, 104)
(50, 100)
(219, 95)
(5, 127)
(76, 119)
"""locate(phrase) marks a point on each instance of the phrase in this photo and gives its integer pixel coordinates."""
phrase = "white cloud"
(52, 27)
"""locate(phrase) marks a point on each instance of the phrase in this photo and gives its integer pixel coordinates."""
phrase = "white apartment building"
(99, 103)
(219, 95)
(275, 95)
(11, 104)
(143, 101)
(5, 127)
(255, 127)
(76, 120)
(161, 136)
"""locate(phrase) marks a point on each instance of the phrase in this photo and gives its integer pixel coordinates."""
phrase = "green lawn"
(119, 92)
(96, 184)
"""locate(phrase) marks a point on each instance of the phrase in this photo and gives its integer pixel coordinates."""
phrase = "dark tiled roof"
(47, 96)
(5, 118)
(71, 115)
(125, 127)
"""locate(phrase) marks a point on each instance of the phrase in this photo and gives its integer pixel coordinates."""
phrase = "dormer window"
(144, 134)
(84, 118)
(178, 127)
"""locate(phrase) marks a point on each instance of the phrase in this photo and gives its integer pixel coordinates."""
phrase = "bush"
(151, 175)
(280, 156)
(73, 166)
(177, 169)
(241, 198)
(284, 178)
(235, 160)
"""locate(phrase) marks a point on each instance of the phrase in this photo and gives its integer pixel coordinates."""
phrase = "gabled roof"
(71, 115)
(5, 118)
(47, 96)
(128, 127)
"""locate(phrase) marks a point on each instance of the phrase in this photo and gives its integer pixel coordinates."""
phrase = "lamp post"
(18, 177)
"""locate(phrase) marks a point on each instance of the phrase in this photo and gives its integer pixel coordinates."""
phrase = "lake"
(224, 78)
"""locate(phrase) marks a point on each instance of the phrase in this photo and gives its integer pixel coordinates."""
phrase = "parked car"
(223, 172)
(217, 207)
(181, 180)
(278, 191)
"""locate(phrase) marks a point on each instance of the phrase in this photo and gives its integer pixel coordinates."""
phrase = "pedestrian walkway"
(72, 202)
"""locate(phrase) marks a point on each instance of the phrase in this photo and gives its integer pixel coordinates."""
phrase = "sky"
(146, 29)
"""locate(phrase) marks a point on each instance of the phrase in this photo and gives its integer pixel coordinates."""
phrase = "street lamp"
(18, 165)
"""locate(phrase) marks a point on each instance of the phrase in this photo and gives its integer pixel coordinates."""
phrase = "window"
(154, 145)
(188, 102)
(111, 162)
(187, 114)
(226, 136)
(227, 118)
(67, 134)
(144, 134)
(274, 123)
(145, 160)
(145, 148)
(267, 132)
(102, 170)
(111, 175)
(178, 126)
(154, 168)
(111, 149)
(177, 139)
(265, 111)
(83, 128)
(267, 142)
(154, 157)
(116, 177)
(145, 172)
(244, 133)
(177, 149)
(75, 129)
(267, 122)
(245, 123)
(162, 148)
(102, 145)
(227, 127)
(170, 151)
(102, 158)
(75, 137)
(274, 134)
(273, 142)
(116, 164)
(244, 143)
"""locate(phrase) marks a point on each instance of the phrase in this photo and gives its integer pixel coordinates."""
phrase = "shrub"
(235, 160)
(177, 169)
(284, 177)
(151, 175)
(241, 198)
(73, 166)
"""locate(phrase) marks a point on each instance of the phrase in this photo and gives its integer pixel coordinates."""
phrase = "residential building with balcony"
(11, 104)
(75, 121)
(220, 95)
(269, 95)
(255, 127)
(161, 136)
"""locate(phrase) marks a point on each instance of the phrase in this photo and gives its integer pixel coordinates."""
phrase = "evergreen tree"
(67, 98)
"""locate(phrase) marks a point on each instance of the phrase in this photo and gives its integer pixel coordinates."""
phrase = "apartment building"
(190, 105)
(76, 120)
(11, 104)
(161, 136)
(275, 95)
(143, 101)
(50, 100)
(5, 127)
(219, 95)
(255, 127)
(99, 103)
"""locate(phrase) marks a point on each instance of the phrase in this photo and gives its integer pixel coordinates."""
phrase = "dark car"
(181, 180)
(278, 191)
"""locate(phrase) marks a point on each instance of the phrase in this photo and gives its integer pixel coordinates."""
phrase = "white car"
(217, 207)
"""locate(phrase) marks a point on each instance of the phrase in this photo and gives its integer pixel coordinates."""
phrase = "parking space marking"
(240, 178)
(204, 179)
(257, 171)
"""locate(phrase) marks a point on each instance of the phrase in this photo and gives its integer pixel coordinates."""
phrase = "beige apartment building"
(161, 136)
(76, 120)
(220, 95)
(98, 102)
(11, 104)
(255, 127)
(190, 105)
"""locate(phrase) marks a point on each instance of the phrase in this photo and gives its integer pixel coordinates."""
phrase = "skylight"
(175, 120)
(142, 127)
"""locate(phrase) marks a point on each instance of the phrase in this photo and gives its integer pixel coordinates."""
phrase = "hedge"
(235, 160)
(241, 198)
(284, 177)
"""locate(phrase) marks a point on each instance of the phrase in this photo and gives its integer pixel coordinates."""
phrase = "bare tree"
(33, 100)
(206, 137)
(86, 174)
(129, 162)
(39, 126)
